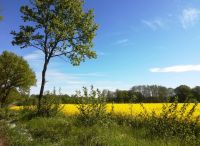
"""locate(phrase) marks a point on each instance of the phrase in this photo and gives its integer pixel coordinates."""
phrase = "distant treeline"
(154, 94)
(140, 94)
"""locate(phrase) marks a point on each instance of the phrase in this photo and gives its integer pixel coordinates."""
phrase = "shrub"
(52, 129)
(28, 112)
(50, 106)
(92, 137)
(13, 135)
(174, 122)
(7, 114)
(92, 107)
(3, 134)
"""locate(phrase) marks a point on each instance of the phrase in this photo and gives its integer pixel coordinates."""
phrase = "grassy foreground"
(65, 131)
(103, 125)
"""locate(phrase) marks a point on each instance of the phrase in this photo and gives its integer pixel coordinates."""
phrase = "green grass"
(23, 128)
(66, 131)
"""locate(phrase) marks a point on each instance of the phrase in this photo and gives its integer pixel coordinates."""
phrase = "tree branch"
(36, 47)
(63, 53)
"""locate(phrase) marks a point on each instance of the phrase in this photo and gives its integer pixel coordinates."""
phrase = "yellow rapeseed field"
(131, 109)
(127, 109)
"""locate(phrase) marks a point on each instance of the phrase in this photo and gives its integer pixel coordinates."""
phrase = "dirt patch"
(3, 141)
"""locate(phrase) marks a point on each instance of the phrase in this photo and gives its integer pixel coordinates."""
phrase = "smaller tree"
(183, 92)
(15, 74)
(196, 93)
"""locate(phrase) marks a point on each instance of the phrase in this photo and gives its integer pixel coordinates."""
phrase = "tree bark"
(3, 98)
(42, 84)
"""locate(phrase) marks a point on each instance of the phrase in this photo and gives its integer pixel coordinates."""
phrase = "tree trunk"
(42, 84)
(3, 98)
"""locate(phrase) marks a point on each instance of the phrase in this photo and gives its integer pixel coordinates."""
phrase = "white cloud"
(154, 24)
(190, 17)
(35, 56)
(60, 78)
(57, 77)
(69, 82)
(177, 69)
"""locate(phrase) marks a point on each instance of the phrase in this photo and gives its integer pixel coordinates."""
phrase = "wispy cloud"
(69, 81)
(56, 78)
(123, 41)
(177, 69)
(35, 56)
(95, 74)
(190, 17)
(154, 24)
(101, 53)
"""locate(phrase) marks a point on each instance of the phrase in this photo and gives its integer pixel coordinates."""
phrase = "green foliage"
(58, 28)
(61, 132)
(27, 101)
(50, 106)
(184, 93)
(64, 131)
(14, 135)
(7, 114)
(153, 94)
(92, 107)
(15, 76)
(173, 123)
(61, 27)
(196, 93)
(52, 129)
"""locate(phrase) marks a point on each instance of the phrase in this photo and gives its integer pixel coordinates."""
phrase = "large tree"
(15, 75)
(57, 28)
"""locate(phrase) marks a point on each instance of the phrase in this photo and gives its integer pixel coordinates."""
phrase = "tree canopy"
(60, 27)
(183, 92)
(15, 74)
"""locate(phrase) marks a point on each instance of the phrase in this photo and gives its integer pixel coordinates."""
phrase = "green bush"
(52, 129)
(169, 125)
(3, 133)
(92, 107)
(14, 135)
(7, 114)
(50, 106)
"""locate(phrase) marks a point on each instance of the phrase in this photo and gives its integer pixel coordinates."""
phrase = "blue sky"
(138, 42)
